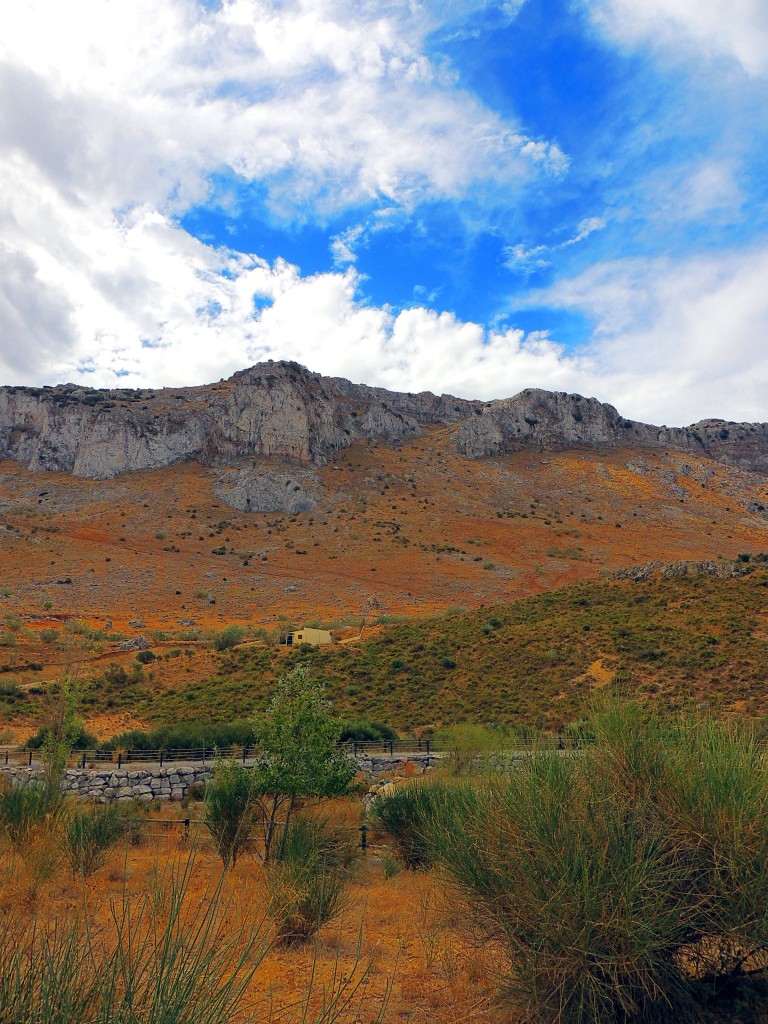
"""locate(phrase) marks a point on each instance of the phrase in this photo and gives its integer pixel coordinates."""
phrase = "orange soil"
(419, 961)
(410, 531)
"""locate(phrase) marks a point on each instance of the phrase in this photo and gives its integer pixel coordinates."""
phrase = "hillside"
(391, 522)
(679, 641)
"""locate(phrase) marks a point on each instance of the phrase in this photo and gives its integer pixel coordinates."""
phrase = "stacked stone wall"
(173, 782)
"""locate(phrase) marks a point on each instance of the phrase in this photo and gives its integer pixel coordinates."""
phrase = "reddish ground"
(409, 531)
(421, 967)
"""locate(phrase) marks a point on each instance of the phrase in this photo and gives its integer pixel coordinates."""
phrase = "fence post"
(391, 747)
(427, 748)
(83, 764)
(6, 757)
(363, 838)
(29, 763)
(186, 828)
(161, 758)
(244, 750)
(119, 759)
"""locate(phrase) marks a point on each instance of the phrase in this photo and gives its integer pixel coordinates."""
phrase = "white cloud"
(528, 261)
(115, 116)
(733, 28)
(672, 342)
(326, 102)
(676, 341)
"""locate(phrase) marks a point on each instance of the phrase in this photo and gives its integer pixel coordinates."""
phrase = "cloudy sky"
(454, 195)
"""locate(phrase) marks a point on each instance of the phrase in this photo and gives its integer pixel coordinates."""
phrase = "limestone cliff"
(282, 411)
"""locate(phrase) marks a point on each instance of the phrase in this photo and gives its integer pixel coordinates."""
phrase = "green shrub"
(402, 815)
(89, 834)
(628, 883)
(362, 729)
(186, 736)
(229, 637)
(467, 743)
(231, 811)
(308, 881)
(21, 808)
(83, 740)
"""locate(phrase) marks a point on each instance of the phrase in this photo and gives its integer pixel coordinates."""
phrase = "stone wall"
(122, 784)
(172, 783)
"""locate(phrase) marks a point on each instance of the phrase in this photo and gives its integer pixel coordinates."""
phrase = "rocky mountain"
(282, 411)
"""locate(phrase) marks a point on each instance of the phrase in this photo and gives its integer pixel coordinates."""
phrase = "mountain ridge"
(283, 412)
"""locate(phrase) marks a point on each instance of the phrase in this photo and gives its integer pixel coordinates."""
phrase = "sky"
(458, 196)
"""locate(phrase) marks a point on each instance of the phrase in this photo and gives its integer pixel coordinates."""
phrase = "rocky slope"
(282, 411)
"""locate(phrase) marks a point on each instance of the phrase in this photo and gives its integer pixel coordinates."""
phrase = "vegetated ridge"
(685, 635)
(689, 639)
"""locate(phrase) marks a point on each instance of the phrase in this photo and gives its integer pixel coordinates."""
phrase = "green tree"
(298, 757)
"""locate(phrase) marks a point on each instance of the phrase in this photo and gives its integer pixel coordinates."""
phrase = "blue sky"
(465, 196)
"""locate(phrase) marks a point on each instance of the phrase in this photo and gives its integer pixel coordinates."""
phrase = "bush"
(229, 637)
(145, 657)
(83, 740)
(628, 883)
(308, 881)
(362, 729)
(90, 833)
(467, 743)
(230, 809)
(402, 814)
(22, 808)
(186, 736)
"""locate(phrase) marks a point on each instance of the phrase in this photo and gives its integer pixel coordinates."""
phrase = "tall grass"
(628, 882)
(231, 810)
(22, 808)
(308, 882)
(188, 966)
(402, 815)
(89, 833)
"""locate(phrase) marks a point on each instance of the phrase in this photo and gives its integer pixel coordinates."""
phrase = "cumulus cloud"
(676, 341)
(326, 102)
(732, 28)
(117, 118)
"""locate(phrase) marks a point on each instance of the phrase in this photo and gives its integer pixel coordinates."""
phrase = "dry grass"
(392, 950)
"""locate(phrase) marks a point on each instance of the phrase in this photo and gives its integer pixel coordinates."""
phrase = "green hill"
(538, 661)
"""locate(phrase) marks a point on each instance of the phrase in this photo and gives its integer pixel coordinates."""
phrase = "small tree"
(298, 756)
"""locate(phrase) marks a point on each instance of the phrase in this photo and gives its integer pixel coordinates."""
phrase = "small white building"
(308, 635)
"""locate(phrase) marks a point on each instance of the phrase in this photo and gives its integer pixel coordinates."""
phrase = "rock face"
(277, 410)
(255, 490)
(280, 410)
(552, 421)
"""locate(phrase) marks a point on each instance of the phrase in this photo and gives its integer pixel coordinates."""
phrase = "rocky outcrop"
(252, 489)
(283, 412)
(675, 570)
(552, 421)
